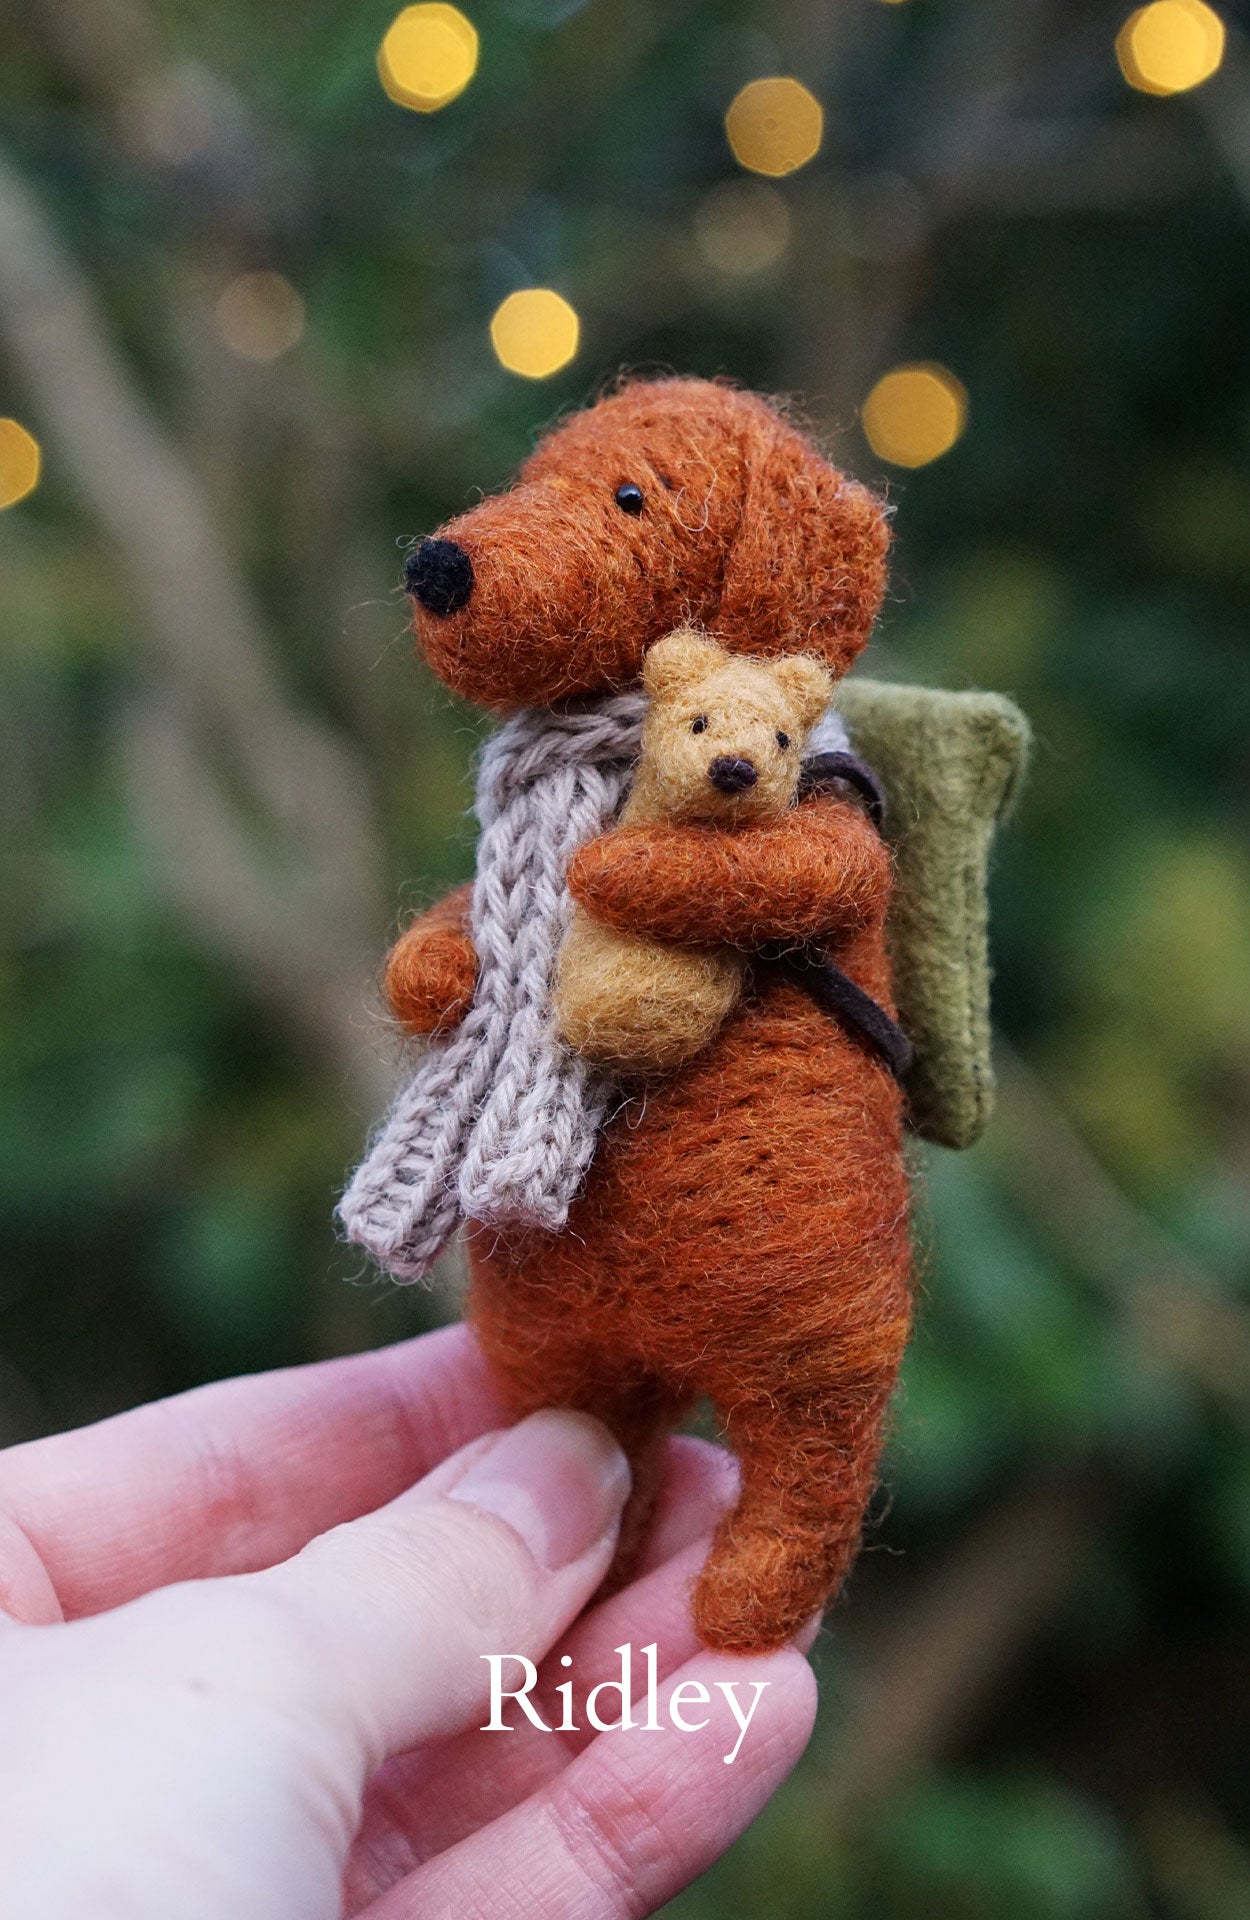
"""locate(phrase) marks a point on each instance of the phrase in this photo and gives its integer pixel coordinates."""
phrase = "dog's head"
(669, 503)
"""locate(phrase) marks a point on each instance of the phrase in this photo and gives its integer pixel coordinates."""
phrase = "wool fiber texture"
(635, 1006)
(741, 1228)
(431, 971)
(745, 532)
(496, 1055)
(769, 880)
(722, 745)
(951, 763)
(741, 1234)
(499, 1121)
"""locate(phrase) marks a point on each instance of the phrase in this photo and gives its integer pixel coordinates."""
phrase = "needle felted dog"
(741, 1232)
(721, 747)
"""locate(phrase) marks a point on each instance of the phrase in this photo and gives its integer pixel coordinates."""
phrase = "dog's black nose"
(439, 574)
(731, 776)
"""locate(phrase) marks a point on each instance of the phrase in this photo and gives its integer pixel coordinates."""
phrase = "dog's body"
(742, 1231)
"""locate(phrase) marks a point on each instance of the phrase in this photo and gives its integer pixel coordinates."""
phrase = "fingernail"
(558, 1479)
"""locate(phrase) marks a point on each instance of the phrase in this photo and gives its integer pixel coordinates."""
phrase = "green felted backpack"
(950, 764)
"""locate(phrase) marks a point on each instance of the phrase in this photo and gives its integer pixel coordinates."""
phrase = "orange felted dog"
(742, 1232)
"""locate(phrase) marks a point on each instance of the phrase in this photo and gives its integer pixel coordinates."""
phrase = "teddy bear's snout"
(732, 775)
(439, 574)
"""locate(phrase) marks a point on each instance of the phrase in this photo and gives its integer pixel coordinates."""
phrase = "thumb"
(497, 1551)
(211, 1740)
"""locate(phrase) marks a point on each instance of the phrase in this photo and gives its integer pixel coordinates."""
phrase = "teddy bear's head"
(667, 502)
(724, 734)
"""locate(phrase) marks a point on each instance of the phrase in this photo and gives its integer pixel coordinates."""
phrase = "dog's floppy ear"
(680, 659)
(806, 571)
(806, 684)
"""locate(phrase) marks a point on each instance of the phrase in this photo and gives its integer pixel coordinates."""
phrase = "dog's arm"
(431, 971)
(820, 871)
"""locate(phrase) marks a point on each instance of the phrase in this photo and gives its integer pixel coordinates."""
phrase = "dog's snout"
(439, 574)
(732, 775)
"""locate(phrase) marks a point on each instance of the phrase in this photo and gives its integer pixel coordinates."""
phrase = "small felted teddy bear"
(721, 746)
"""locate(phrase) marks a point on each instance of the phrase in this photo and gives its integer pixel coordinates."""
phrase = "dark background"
(225, 779)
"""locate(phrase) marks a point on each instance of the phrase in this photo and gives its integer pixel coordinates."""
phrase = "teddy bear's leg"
(637, 1005)
(808, 1459)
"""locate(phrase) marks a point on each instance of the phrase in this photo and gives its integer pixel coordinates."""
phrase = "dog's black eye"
(629, 498)
(699, 723)
(783, 740)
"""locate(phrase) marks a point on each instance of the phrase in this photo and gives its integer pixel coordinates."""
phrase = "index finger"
(237, 1476)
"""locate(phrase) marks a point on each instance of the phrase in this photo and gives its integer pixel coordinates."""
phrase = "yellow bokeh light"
(427, 57)
(774, 126)
(1170, 46)
(260, 316)
(742, 227)
(20, 462)
(535, 332)
(915, 414)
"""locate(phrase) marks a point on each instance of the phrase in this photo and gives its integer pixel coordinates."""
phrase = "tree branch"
(210, 646)
(1171, 1305)
(935, 1666)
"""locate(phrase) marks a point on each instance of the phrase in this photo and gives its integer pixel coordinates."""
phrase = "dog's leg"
(542, 1358)
(809, 1457)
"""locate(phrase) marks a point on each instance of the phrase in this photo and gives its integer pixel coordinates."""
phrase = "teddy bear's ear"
(807, 684)
(680, 659)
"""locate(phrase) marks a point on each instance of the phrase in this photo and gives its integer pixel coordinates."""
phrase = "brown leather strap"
(834, 991)
(823, 772)
(807, 966)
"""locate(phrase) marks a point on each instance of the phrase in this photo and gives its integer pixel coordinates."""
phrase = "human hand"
(267, 1707)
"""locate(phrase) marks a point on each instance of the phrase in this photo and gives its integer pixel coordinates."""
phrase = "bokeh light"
(774, 126)
(535, 332)
(20, 462)
(427, 57)
(1170, 46)
(260, 316)
(742, 227)
(915, 414)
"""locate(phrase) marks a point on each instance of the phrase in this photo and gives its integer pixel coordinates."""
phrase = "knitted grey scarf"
(499, 1122)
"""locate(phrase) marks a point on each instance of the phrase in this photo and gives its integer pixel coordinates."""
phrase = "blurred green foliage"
(175, 1127)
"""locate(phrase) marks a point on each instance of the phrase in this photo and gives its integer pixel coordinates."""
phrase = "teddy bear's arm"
(818, 871)
(431, 971)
